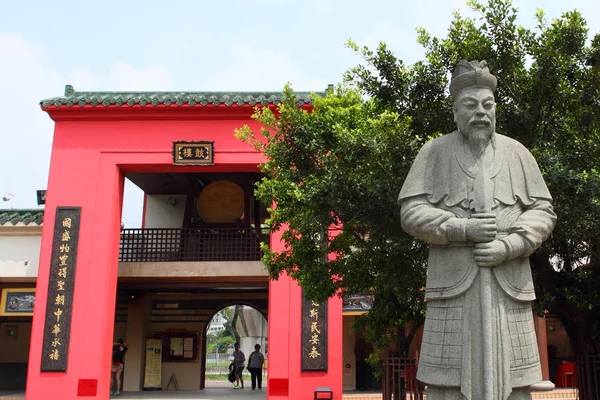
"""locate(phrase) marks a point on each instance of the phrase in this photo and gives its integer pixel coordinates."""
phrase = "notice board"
(153, 371)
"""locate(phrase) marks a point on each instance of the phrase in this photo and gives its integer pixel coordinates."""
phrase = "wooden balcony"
(190, 244)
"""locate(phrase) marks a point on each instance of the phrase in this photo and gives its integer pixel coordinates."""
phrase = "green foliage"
(335, 174)
(548, 98)
(338, 169)
(223, 338)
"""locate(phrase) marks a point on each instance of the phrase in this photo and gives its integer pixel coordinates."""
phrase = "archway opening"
(243, 324)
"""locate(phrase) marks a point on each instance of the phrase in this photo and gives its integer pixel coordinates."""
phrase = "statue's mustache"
(480, 122)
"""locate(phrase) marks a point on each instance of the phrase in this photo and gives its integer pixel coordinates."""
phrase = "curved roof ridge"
(74, 98)
(21, 217)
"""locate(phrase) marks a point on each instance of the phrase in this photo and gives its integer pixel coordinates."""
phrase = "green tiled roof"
(149, 99)
(26, 217)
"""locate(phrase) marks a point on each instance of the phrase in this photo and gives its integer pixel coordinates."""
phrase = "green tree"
(335, 174)
(548, 99)
(338, 169)
(223, 338)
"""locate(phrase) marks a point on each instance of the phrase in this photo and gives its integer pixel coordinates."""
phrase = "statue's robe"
(436, 200)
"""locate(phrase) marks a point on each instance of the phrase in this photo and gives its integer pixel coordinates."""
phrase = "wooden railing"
(207, 244)
(400, 379)
(588, 377)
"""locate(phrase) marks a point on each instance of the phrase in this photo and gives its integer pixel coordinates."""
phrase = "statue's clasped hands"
(482, 229)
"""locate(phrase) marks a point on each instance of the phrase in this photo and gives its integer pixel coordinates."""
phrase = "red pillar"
(286, 379)
(542, 342)
(91, 180)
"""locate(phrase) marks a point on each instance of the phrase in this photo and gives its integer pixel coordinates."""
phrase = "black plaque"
(314, 335)
(193, 153)
(59, 307)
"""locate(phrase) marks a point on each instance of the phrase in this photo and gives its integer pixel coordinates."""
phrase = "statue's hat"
(471, 74)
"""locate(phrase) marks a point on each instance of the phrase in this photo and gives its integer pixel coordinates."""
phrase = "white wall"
(161, 214)
(20, 252)
(187, 373)
(348, 342)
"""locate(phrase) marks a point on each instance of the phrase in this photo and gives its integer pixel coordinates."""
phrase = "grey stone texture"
(478, 198)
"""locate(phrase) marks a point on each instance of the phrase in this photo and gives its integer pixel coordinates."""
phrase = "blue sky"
(191, 45)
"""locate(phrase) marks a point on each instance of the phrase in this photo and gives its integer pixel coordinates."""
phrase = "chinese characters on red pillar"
(60, 289)
(314, 335)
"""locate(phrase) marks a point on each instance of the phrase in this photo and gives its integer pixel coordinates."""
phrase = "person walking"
(238, 361)
(255, 363)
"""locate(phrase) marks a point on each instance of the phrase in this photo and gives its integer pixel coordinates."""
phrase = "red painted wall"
(93, 148)
(286, 380)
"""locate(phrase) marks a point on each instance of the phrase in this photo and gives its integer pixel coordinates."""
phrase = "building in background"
(217, 323)
(196, 252)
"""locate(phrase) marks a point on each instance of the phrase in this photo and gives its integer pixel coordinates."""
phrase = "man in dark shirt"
(119, 350)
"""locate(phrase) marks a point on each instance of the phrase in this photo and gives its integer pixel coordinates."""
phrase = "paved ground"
(214, 390)
(223, 390)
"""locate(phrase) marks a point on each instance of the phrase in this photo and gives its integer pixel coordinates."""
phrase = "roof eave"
(73, 99)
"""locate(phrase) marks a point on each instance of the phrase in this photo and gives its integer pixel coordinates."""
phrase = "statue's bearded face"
(475, 113)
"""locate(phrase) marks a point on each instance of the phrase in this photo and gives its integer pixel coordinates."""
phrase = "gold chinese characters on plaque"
(314, 335)
(59, 304)
(193, 153)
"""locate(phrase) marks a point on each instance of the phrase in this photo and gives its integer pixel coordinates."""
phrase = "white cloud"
(122, 77)
(402, 42)
(261, 69)
(26, 131)
(401, 37)
(84, 79)
(125, 77)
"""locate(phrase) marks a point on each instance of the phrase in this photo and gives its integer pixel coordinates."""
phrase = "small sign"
(41, 197)
(17, 302)
(152, 369)
(314, 335)
(59, 306)
(358, 302)
(193, 153)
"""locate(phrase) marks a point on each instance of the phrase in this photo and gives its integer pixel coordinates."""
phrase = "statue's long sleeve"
(440, 227)
(532, 228)
(434, 225)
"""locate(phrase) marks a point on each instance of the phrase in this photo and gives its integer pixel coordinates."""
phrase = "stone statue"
(479, 199)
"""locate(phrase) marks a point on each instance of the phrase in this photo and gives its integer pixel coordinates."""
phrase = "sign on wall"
(59, 306)
(193, 153)
(17, 302)
(357, 302)
(153, 365)
(314, 335)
